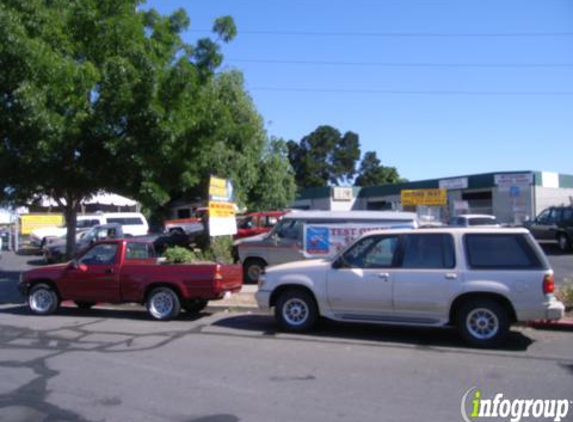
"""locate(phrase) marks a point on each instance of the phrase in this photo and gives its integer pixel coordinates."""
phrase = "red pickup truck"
(121, 271)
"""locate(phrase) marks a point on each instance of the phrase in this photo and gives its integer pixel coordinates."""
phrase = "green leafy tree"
(101, 95)
(324, 157)
(233, 140)
(275, 188)
(373, 173)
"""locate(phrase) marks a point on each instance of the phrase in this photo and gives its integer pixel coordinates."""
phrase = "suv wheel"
(296, 311)
(563, 242)
(483, 323)
(253, 269)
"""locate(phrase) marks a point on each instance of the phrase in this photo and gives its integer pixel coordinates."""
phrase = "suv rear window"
(428, 251)
(500, 251)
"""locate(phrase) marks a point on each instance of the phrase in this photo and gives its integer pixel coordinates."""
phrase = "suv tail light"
(548, 284)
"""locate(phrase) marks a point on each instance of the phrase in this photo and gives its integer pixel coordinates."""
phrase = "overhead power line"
(394, 64)
(415, 92)
(400, 34)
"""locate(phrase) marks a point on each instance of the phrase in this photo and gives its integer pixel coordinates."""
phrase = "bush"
(565, 293)
(219, 250)
(179, 255)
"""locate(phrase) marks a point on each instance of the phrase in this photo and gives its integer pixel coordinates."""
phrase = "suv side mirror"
(338, 263)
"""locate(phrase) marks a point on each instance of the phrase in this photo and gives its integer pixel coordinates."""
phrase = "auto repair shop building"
(511, 196)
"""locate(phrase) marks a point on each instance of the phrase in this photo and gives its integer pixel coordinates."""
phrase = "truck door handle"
(451, 276)
(109, 271)
(384, 276)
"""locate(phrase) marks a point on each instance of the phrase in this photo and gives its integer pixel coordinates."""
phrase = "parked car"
(121, 271)
(257, 223)
(470, 220)
(162, 241)
(133, 224)
(479, 280)
(284, 243)
(55, 251)
(40, 237)
(192, 226)
(555, 224)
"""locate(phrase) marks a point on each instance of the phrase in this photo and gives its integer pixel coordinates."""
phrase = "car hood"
(250, 239)
(300, 266)
(46, 272)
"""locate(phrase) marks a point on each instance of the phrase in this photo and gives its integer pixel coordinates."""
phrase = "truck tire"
(252, 268)
(194, 306)
(483, 322)
(296, 311)
(163, 304)
(563, 242)
(85, 305)
(43, 300)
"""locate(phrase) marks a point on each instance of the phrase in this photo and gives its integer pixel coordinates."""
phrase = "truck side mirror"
(74, 264)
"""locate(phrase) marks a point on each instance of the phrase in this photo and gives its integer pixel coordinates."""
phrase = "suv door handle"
(384, 276)
(451, 276)
(109, 271)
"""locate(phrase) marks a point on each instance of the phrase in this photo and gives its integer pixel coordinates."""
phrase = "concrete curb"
(561, 325)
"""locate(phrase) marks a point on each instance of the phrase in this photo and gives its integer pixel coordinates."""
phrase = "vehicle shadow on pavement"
(37, 262)
(9, 287)
(138, 313)
(410, 336)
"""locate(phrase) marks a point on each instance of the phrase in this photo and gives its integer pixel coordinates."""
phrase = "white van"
(133, 224)
(298, 236)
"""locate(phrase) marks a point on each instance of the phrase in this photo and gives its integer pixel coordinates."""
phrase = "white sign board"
(453, 184)
(222, 226)
(342, 194)
(322, 240)
(513, 179)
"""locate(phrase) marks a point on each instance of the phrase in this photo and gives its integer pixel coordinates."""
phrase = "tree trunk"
(70, 212)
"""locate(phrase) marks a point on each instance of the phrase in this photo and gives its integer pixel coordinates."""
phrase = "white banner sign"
(452, 184)
(322, 240)
(513, 179)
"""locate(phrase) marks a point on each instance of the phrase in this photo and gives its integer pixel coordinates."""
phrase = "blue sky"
(314, 62)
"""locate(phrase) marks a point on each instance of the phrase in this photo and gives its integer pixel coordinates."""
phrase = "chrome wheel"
(563, 243)
(42, 300)
(163, 304)
(253, 272)
(295, 311)
(482, 323)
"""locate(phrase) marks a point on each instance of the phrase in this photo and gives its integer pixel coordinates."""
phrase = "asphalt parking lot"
(117, 365)
(230, 364)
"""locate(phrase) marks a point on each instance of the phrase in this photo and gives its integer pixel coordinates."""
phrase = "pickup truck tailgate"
(228, 278)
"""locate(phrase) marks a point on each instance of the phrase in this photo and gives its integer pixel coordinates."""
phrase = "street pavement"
(118, 365)
(229, 363)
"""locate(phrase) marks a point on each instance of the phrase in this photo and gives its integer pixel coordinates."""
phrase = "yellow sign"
(425, 197)
(30, 222)
(220, 189)
(221, 209)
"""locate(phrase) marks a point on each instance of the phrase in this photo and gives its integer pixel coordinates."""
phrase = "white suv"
(480, 280)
